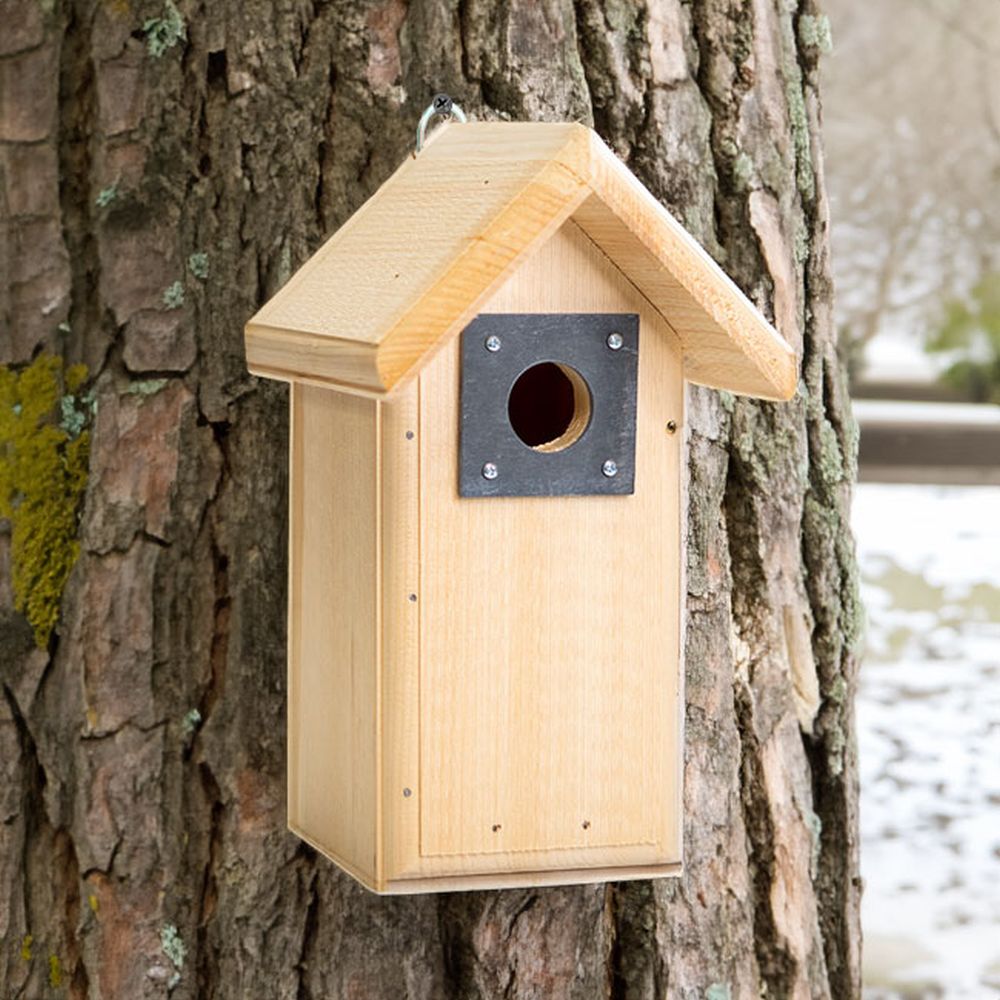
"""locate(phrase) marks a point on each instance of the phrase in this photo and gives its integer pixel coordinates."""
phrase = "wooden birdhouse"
(487, 365)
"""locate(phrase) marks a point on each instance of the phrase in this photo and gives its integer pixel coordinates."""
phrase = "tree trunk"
(164, 170)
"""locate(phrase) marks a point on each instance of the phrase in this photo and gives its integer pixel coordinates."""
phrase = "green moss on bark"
(815, 33)
(44, 454)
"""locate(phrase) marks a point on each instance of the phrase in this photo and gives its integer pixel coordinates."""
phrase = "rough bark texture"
(142, 846)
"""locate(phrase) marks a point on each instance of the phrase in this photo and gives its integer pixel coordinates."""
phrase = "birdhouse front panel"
(549, 653)
(486, 543)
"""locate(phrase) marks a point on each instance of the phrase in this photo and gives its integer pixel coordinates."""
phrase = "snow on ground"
(929, 740)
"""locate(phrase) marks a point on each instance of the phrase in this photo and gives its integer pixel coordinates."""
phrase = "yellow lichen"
(93, 903)
(44, 453)
(26, 947)
(55, 972)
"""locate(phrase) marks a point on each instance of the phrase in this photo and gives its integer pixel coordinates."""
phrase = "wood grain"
(412, 265)
(334, 570)
(549, 654)
(401, 602)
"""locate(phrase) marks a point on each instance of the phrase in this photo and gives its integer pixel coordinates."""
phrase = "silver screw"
(615, 341)
(492, 343)
(610, 468)
(407, 793)
(490, 471)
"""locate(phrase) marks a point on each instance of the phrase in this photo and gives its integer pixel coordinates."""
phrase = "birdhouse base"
(528, 880)
(499, 880)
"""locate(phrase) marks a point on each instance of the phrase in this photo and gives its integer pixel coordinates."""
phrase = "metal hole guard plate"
(579, 340)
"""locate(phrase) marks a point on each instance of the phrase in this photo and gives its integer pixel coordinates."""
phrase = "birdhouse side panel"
(549, 652)
(333, 623)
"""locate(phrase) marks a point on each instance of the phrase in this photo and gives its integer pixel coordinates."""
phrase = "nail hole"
(413, 598)
(496, 827)
(586, 824)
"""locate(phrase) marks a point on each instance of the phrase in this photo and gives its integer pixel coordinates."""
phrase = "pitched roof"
(417, 261)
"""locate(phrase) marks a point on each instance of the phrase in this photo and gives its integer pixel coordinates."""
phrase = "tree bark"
(143, 848)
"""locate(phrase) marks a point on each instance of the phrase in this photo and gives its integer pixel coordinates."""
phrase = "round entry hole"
(549, 406)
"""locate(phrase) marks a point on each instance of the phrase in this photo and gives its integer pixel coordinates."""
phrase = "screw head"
(492, 343)
(490, 471)
(610, 468)
(407, 793)
(671, 426)
(615, 341)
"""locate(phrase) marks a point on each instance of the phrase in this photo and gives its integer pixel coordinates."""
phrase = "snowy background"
(929, 740)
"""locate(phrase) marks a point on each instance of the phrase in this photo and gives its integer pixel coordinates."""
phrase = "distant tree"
(970, 330)
(911, 182)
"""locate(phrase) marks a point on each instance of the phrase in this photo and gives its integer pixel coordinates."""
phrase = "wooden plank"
(549, 651)
(416, 262)
(298, 356)
(401, 629)
(333, 691)
(411, 267)
(727, 342)
(529, 879)
(295, 473)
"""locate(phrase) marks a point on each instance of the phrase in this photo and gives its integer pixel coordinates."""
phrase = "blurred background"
(912, 122)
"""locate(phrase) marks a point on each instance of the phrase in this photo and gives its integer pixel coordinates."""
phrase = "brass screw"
(671, 426)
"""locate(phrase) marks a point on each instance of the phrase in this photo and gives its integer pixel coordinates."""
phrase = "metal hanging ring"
(442, 105)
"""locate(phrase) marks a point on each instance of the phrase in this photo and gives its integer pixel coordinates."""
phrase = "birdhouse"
(485, 626)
